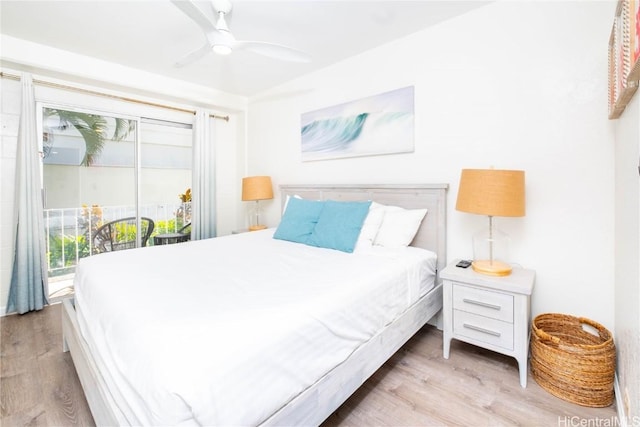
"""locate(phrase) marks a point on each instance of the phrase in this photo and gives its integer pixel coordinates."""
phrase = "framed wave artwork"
(379, 124)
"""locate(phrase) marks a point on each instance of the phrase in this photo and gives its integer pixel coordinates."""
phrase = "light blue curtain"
(203, 212)
(28, 289)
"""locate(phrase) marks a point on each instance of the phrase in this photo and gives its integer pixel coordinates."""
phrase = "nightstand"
(487, 311)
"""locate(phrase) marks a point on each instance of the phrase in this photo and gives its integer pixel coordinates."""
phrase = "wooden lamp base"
(257, 227)
(491, 268)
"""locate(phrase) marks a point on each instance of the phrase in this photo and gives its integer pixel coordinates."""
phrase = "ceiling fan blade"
(220, 39)
(193, 56)
(193, 12)
(273, 50)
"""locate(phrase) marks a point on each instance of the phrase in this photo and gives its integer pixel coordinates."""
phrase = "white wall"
(627, 250)
(517, 85)
(230, 168)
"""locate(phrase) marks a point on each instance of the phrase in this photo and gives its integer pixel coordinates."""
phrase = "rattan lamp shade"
(491, 192)
(256, 188)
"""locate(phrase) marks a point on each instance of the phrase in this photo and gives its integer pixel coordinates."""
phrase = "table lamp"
(491, 192)
(256, 188)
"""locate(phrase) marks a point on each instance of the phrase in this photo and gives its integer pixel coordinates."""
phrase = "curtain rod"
(106, 95)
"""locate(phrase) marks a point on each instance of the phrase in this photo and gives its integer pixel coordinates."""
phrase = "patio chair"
(121, 234)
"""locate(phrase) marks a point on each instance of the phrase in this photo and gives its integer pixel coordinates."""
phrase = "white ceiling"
(151, 35)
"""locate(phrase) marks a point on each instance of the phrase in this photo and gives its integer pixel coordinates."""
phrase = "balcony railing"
(69, 232)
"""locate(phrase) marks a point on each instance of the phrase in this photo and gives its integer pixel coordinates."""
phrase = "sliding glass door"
(109, 183)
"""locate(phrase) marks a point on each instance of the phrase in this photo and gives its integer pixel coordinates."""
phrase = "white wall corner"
(622, 417)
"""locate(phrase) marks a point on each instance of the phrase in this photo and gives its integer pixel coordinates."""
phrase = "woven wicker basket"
(571, 363)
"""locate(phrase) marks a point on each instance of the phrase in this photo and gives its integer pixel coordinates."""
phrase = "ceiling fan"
(220, 40)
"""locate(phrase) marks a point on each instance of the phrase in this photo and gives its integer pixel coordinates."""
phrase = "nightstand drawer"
(480, 328)
(494, 305)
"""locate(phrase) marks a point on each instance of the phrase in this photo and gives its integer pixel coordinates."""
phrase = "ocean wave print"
(333, 134)
(379, 124)
(359, 135)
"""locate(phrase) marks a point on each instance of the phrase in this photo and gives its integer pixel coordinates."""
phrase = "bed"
(185, 358)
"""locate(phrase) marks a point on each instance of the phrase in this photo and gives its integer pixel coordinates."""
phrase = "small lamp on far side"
(491, 192)
(256, 188)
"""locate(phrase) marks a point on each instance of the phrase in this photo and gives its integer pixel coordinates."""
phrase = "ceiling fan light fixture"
(221, 41)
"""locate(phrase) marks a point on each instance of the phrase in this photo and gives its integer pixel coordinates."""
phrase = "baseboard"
(3, 309)
(622, 417)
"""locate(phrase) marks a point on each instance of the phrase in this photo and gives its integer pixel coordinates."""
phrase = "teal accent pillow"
(299, 220)
(339, 225)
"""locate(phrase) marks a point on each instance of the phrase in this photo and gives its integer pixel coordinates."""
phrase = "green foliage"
(63, 248)
(125, 232)
(62, 251)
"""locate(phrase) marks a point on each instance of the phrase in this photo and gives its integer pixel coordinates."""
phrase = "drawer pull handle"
(483, 304)
(483, 330)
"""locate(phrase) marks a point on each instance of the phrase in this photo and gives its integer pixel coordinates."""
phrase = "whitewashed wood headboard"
(433, 230)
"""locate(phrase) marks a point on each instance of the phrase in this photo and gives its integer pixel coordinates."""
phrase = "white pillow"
(399, 226)
(370, 227)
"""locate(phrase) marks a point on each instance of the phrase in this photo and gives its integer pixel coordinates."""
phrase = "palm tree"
(92, 127)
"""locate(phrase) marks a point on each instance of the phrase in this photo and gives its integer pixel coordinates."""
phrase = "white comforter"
(226, 331)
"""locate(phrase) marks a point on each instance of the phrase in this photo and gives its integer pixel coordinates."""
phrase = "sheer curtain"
(28, 289)
(203, 220)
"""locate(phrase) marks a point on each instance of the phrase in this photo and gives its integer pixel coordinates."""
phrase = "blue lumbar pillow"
(299, 220)
(339, 225)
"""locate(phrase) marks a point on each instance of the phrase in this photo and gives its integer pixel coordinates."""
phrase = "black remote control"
(463, 264)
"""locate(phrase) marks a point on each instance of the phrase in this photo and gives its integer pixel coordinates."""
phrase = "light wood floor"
(417, 387)
(38, 382)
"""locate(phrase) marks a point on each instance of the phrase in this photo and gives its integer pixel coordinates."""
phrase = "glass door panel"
(165, 177)
(89, 180)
